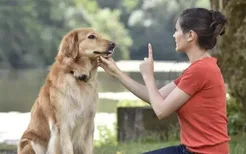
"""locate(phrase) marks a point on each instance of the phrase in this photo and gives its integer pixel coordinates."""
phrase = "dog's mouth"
(106, 53)
(109, 51)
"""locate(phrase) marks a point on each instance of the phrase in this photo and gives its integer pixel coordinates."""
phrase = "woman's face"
(180, 38)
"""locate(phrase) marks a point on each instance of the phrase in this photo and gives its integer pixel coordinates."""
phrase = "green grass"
(131, 148)
(7, 147)
(237, 146)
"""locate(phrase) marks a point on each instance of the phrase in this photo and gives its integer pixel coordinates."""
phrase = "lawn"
(131, 148)
(237, 146)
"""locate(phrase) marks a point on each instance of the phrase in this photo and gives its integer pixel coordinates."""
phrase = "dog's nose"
(111, 45)
(83, 77)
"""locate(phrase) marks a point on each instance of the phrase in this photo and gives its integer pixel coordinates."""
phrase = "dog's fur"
(62, 117)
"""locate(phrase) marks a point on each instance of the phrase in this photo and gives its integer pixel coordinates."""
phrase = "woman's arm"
(136, 88)
(162, 106)
(140, 90)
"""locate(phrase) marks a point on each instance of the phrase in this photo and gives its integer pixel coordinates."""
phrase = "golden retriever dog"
(62, 117)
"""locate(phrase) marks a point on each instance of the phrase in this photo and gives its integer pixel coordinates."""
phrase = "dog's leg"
(86, 146)
(65, 141)
(25, 147)
(89, 149)
(53, 147)
(29, 147)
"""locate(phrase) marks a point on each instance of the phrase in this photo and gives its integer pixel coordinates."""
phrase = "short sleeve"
(193, 80)
(176, 81)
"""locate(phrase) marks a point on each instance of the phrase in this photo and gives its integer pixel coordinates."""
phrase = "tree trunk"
(231, 48)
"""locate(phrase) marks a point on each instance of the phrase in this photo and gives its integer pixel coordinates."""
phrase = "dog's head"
(78, 51)
(85, 42)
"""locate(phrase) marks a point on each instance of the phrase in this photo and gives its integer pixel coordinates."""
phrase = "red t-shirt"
(202, 118)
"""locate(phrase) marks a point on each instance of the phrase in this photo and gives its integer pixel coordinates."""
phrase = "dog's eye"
(91, 37)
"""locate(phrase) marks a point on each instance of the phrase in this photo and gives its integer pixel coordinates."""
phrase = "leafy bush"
(236, 117)
(106, 137)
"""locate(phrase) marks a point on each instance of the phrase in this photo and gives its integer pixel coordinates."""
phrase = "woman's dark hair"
(207, 24)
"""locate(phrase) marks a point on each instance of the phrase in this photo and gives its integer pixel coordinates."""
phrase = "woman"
(198, 95)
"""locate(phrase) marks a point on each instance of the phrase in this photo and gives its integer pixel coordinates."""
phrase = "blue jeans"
(180, 149)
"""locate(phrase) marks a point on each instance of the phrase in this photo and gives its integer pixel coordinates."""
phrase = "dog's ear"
(69, 46)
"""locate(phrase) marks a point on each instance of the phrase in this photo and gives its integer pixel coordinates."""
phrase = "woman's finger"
(110, 59)
(150, 51)
(104, 60)
(98, 60)
(101, 65)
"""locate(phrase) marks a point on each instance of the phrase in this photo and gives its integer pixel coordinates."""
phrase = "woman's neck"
(196, 53)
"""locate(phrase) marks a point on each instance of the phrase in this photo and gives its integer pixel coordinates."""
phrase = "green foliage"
(106, 137)
(237, 144)
(152, 19)
(129, 5)
(236, 117)
(29, 34)
(155, 20)
(105, 21)
(113, 30)
(31, 31)
(14, 30)
(90, 6)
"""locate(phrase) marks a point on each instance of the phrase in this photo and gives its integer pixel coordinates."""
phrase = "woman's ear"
(191, 35)
(69, 46)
